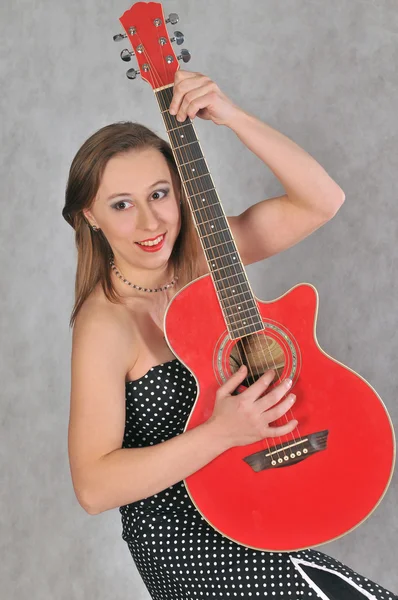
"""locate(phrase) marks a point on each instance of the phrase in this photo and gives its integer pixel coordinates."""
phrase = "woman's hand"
(246, 417)
(197, 95)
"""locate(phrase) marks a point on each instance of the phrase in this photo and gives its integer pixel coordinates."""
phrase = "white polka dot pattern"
(178, 554)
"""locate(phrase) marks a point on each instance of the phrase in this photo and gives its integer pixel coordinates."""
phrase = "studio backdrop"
(324, 74)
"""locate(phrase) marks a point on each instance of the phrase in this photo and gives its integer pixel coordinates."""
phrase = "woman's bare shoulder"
(101, 322)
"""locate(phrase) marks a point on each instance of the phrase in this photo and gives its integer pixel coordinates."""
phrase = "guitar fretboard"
(236, 299)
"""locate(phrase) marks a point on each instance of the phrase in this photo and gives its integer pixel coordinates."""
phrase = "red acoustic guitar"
(327, 476)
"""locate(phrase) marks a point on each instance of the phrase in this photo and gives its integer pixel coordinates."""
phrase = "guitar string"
(257, 338)
(153, 74)
(167, 128)
(168, 122)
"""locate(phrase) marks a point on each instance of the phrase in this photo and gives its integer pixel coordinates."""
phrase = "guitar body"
(301, 501)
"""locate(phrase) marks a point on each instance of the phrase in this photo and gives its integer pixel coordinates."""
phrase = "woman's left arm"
(312, 197)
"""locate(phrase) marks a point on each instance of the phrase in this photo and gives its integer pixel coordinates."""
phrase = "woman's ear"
(88, 216)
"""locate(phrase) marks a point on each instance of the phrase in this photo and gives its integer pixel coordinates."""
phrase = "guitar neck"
(235, 296)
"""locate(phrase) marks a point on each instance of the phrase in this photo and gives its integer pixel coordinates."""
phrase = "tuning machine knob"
(173, 18)
(178, 38)
(132, 73)
(119, 37)
(185, 55)
(126, 54)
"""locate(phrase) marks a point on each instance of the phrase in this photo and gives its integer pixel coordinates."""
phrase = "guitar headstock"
(145, 27)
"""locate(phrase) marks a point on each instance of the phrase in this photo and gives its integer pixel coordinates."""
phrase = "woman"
(131, 397)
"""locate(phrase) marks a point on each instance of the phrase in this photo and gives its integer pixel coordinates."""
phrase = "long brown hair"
(93, 249)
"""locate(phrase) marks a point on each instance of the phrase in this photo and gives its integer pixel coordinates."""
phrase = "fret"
(207, 192)
(224, 256)
(199, 184)
(213, 211)
(229, 271)
(247, 330)
(214, 219)
(238, 305)
(191, 161)
(236, 296)
(188, 152)
(218, 249)
(196, 177)
(242, 274)
(222, 268)
(193, 169)
(208, 227)
(182, 134)
(205, 199)
(214, 233)
(185, 144)
(216, 204)
(239, 323)
(175, 128)
(238, 299)
(236, 310)
(236, 320)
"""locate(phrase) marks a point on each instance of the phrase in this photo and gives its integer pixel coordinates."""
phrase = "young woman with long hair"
(131, 397)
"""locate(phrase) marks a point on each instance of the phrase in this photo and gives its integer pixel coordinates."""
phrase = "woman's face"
(137, 201)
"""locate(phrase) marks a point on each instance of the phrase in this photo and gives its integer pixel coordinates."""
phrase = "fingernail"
(288, 382)
(292, 398)
(172, 111)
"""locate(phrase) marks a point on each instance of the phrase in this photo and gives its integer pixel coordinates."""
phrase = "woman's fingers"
(257, 390)
(282, 430)
(193, 101)
(275, 395)
(232, 383)
(187, 83)
(280, 409)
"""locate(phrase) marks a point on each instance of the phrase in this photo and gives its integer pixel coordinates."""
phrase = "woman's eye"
(156, 195)
(120, 203)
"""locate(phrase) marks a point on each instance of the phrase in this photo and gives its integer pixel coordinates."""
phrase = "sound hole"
(259, 353)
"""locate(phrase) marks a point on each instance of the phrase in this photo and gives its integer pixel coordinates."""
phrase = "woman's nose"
(147, 219)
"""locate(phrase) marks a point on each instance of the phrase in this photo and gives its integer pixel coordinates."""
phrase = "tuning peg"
(178, 38)
(173, 18)
(119, 37)
(126, 54)
(132, 73)
(185, 55)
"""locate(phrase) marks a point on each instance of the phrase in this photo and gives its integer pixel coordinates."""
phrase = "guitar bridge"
(289, 453)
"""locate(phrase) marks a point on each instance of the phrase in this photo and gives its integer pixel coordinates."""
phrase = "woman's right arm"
(104, 474)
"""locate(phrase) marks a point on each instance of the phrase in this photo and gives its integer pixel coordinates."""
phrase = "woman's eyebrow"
(112, 196)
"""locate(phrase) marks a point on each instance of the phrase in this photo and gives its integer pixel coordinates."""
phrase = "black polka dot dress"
(179, 555)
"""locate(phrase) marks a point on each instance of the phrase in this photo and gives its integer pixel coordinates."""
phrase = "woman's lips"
(154, 248)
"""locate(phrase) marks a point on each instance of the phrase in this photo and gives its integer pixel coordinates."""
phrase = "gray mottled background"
(325, 74)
